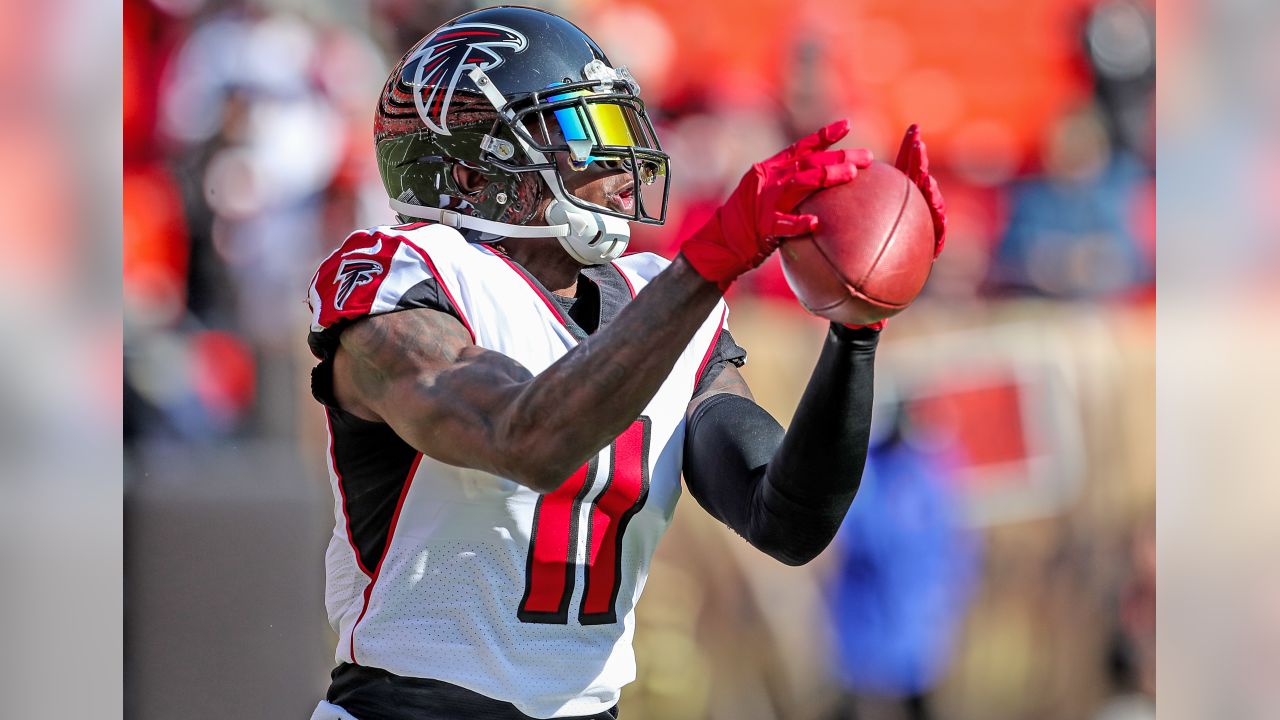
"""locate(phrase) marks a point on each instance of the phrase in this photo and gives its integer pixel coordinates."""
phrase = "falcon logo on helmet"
(351, 275)
(448, 56)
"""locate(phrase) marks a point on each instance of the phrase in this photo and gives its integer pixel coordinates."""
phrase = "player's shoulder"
(372, 268)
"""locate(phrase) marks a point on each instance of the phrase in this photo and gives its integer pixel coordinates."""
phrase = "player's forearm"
(817, 471)
(788, 493)
(587, 398)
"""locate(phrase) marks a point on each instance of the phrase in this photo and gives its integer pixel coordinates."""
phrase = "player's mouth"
(622, 199)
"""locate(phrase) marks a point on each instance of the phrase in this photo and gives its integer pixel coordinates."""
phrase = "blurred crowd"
(248, 154)
(1000, 559)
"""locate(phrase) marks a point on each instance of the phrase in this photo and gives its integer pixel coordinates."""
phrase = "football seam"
(826, 308)
(874, 301)
(906, 196)
(893, 230)
(850, 288)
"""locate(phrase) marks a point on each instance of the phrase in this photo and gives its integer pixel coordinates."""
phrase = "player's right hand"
(761, 210)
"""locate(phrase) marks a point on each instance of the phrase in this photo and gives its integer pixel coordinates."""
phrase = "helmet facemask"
(600, 121)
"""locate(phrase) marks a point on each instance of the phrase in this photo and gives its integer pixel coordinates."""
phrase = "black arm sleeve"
(787, 493)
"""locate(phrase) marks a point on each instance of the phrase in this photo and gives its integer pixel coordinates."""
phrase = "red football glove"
(913, 161)
(758, 214)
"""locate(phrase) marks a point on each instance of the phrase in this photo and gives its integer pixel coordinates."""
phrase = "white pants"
(329, 711)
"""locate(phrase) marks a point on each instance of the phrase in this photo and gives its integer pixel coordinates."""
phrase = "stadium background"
(1015, 492)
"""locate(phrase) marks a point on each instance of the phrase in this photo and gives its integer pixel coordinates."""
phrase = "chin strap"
(454, 219)
(603, 237)
(592, 239)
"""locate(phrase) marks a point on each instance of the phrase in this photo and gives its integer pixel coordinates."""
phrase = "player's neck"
(548, 262)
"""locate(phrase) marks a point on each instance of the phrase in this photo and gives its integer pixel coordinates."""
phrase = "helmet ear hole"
(468, 180)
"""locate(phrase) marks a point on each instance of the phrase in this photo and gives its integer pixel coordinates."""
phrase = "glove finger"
(822, 176)
(860, 157)
(793, 189)
(785, 225)
(937, 209)
(913, 161)
(908, 152)
(913, 158)
(820, 140)
(921, 156)
(808, 169)
(933, 194)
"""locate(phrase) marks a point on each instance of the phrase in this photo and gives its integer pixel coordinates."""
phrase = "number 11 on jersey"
(551, 569)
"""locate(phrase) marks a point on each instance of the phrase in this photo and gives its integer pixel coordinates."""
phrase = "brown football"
(872, 251)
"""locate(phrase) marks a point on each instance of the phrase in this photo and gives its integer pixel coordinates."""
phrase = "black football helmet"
(521, 96)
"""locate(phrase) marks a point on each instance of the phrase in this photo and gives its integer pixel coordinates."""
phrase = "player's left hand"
(913, 161)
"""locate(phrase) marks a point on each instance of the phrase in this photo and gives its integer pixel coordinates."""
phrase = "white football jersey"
(437, 571)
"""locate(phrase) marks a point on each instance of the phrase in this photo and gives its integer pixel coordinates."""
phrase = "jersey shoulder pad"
(375, 271)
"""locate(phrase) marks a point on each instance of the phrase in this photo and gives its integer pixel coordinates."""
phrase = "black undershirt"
(374, 694)
(583, 308)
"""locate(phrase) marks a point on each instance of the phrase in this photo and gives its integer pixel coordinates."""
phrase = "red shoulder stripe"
(625, 279)
(697, 378)
(348, 280)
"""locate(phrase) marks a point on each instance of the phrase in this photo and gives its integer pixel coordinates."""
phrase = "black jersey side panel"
(372, 464)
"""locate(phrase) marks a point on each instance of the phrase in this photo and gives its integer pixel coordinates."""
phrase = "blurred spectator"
(1120, 45)
(1084, 228)
(906, 568)
(243, 97)
(248, 147)
(1131, 655)
(1127, 701)
(247, 155)
(1071, 234)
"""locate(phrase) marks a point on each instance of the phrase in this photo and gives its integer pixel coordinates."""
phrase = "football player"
(512, 401)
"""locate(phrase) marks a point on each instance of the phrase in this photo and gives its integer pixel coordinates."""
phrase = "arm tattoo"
(385, 347)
